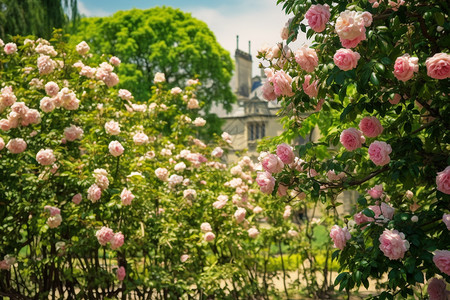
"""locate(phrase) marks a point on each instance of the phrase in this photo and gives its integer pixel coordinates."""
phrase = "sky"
(258, 21)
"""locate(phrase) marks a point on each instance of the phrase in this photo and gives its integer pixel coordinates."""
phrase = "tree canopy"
(162, 39)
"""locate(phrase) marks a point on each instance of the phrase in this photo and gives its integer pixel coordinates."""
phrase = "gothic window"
(256, 130)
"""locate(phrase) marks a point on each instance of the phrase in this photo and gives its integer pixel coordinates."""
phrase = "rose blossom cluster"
(105, 73)
(45, 157)
(20, 115)
(318, 16)
(16, 145)
(351, 27)
(277, 84)
(65, 98)
(405, 66)
(340, 236)
(443, 181)
(346, 59)
(106, 235)
(221, 202)
(307, 58)
(310, 89)
(82, 48)
(126, 197)
(73, 133)
(55, 219)
(115, 148)
(352, 139)
(45, 64)
(393, 244)
(7, 97)
(101, 183)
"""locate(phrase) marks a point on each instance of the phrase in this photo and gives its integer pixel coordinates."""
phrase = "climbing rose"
(441, 259)
(240, 214)
(318, 16)
(104, 235)
(82, 48)
(54, 221)
(10, 48)
(393, 244)
(383, 209)
(2, 144)
(125, 94)
(94, 193)
(282, 84)
(346, 59)
(16, 146)
(307, 58)
(140, 138)
(352, 139)
(253, 232)
(45, 157)
(115, 148)
(217, 152)
(285, 153)
(405, 67)
(396, 99)
(340, 236)
(199, 122)
(184, 258)
(205, 227)
(45, 64)
(117, 240)
(310, 89)
(52, 210)
(112, 127)
(376, 191)
(443, 181)
(162, 174)
(77, 199)
(51, 88)
(370, 126)
(446, 220)
(379, 153)
(209, 236)
(268, 91)
(126, 196)
(272, 163)
(438, 66)
(350, 25)
(437, 289)
(121, 273)
(115, 61)
(72, 133)
(266, 182)
(159, 77)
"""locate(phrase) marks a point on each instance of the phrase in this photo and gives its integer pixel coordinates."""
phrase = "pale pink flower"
(409, 194)
(367, 17)
(199, 122)
(217, 152)
(115, 61)
(340, 236)
(405, 67)
(94, 193)
(45, 64)
(111, 79)
(10, 48)
(205, 227)
(393, 244)
(287, 212)
(45, 157)
(184, 258)
(7, 97)
(272, 163)
(176, 91)
(438, 66)
(266, 182)
(396, 4)
(140, 138)
(379, 153)
(441, 259)
(253, 232)
(239, 215)
(193, 104)
(437, 289)
(268, 91)
(126, 197)
(332, 176)
(346, 59)
(32, 116)
(125, 94)
(159, 77)
(162, 174)
(446, 220)
(52, 210)
(209, 237)
(396, 99)
(306, 58)
(4, 265)
(282, 190)
(77, 198)
(361, 218)
(117, 240)
(73, 132)
(112, 127)
(16, 145)
(346, 43)
(257, 210)
(383, 209)
(121, 273)
(352, 139)
(292, 233)
(88, 71)
(376, 191)
(104, 235)
(5, 125)
(189, 194)
(51, 88)
(282, 84)
(350, 25)
(82, 48)
(2, 144)
(318, 16)
(310, 89)
(54, 221)
(175, 180)
(226, 137)
(115, 148)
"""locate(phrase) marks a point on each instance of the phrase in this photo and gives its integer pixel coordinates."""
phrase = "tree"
(167, 40)
(35, 17)
(376, 79)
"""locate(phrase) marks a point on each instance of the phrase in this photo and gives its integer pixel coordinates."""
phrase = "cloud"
(97, 12)
(258, 21)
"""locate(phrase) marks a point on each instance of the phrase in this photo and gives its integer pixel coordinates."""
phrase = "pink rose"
(332, 176)
(361, 218)
(10, 48)
(82, 48)
(16, 146)
(446, 220)
(205, 227)
(379, 153)
(268, 91)
(396, 99)
(117, 240)
(45, 157)
(350, 25)
(111, 79)
(393, 244)
(443, 181)
(376, 191)
(370, 126)
(184, 258)
(162, 174)
(125, 94)
(367, 17)
(217, 152)
(104, 235)
(189, 194)
(5, 125)
(383, 209)
(239, 215)
(340, 236)
(45, 64)
(54, 221)
(441, 259)
(310, 89)
(159, 77)
(318, 16)
(266, 182)
(209, 237)
(272, 163)
(282, 190)
(121, 273)
(257, 210)
(437, 289)
(115, 61)
(112, 127)
(140, 138)
(47, 104)
(126, 197)
(405, 67)
(396, 4)
(352, 139)
(438, 66)
(77, 199)
(253, 232)
(51, 88)
(346, 59)
(282, 84)
(94, 193)
(2, 144)
(307, 58)
(52, 210)
(115, 148)
(72, 133)
(347, 43)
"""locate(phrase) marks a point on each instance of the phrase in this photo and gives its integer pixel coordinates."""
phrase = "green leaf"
(418, 277)
(374, 79)
(368, 212)
(439, 16)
